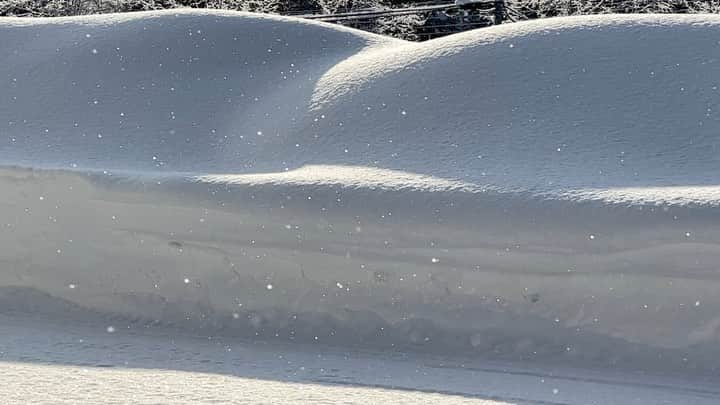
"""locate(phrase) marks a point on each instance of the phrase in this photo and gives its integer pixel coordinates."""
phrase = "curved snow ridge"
(567, 108)
(599, 107)
(370, 178)
(344, 176)
(179, 90)
(382, 61)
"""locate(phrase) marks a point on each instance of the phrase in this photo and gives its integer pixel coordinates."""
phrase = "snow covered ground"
(541, 192)
(140, 366)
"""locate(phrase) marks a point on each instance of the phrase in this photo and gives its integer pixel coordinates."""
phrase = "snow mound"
(560, 105)
(540, 190)
(230, 93)
(180, 90)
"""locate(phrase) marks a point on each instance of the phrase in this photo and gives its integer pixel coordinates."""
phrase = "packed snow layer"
(147, 367)
(540, 190)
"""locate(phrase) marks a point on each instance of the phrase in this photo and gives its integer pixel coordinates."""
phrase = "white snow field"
(542, 192)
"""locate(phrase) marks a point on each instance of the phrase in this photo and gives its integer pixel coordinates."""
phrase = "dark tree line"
(420, 26)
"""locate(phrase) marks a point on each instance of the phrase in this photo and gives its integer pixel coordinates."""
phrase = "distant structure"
(433, 20)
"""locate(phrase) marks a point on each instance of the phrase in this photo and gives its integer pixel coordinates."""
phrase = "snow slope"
(538, 191)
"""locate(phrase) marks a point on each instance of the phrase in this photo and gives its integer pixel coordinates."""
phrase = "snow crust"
(538, 191)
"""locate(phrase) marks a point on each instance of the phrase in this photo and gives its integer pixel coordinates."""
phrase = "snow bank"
(541, 190)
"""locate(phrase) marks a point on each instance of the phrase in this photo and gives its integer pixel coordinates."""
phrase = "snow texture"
(143, 367)
(535, 191)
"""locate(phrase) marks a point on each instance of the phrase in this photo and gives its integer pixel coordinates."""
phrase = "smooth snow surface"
(45, 362)
(539, 191)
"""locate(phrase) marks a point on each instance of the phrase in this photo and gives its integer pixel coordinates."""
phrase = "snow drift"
(542, 190)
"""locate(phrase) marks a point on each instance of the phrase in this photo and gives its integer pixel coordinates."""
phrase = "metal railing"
(464, 15)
